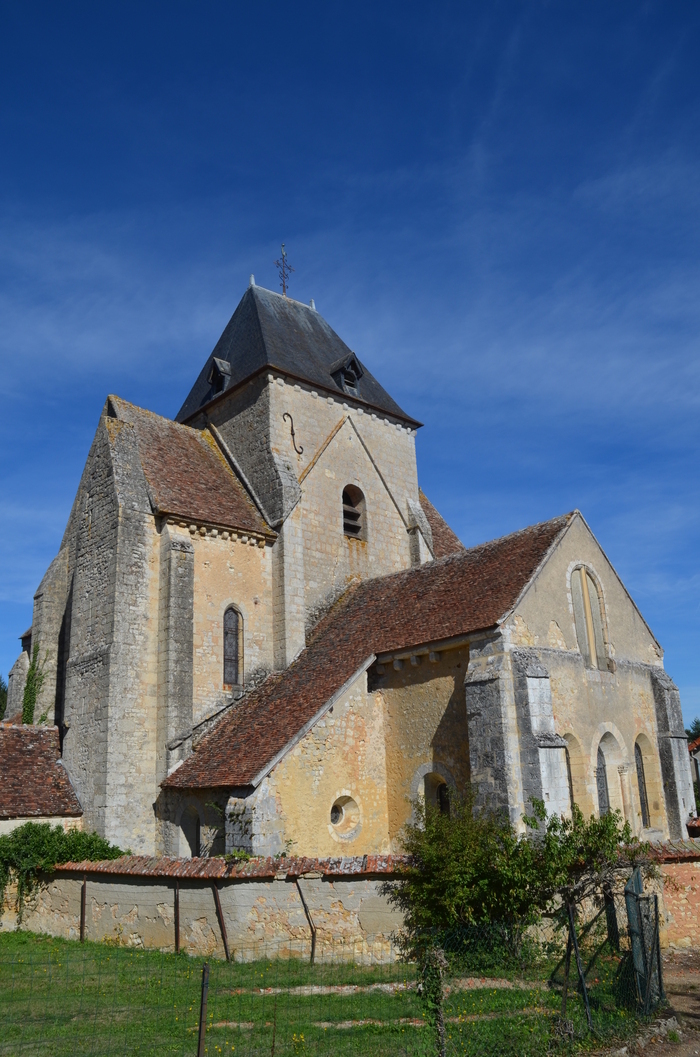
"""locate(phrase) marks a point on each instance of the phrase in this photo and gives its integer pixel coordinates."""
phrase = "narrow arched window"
(588, 620)
(642, 784)
(601, 777)
(232, 647)
(443, 797)
(354, 524)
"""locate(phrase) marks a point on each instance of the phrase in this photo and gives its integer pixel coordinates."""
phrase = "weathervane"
(284, 269)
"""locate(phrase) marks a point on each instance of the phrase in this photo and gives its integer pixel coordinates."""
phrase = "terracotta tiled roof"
(444, 539)
(694, 745)
(187, 474)
(219, 869)
(457, 595)
(677, 850)
(33, 781)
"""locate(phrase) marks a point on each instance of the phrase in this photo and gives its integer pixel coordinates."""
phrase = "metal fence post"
(203, 1010)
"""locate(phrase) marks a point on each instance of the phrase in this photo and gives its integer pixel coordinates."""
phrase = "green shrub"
(36, 848)
(465, 868)
(3, 696)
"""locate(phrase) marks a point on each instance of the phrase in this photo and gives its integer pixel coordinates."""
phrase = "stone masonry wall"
(681, 903)
(613, 707)
(343, 755)
(425, 729)
(262, 917)
(335, 444)
(229, 569)
(93, 570)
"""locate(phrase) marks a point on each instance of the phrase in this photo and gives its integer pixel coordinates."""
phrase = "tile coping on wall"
(254, 869)
(346, 866)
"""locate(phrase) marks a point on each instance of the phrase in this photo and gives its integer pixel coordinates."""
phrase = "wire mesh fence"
(500, 991)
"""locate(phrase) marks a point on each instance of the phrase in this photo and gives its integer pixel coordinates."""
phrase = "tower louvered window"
(353, 513)
(232, 631)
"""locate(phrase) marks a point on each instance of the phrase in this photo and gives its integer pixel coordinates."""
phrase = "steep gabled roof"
(445, 541)
(268, 331)
(33, 781)
(187, 474)
(465, 592)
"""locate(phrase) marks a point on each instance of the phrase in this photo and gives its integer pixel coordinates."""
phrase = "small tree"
(579, 859)
(33, 685)
(3, 696)
(693, 731)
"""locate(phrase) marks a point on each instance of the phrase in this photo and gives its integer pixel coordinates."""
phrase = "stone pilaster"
(175, 649)
(494, 753)
(673, 752)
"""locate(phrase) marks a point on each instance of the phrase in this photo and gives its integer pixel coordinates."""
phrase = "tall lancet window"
(642, 784)
(588, 619)
(601, 777)
(232, 647)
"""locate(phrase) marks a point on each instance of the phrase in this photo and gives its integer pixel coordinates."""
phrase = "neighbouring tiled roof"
(33, 781)
(677, 850)
(218, 869)
(445, 541)
(694, 745)
(187, 474)
(462, 593)
(268, 331)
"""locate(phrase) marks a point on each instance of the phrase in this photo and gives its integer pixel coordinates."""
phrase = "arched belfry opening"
(354, 513)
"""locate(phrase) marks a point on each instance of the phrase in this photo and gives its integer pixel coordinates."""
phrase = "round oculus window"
(345, 817)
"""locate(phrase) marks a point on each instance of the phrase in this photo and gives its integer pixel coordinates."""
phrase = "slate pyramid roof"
(268, 331)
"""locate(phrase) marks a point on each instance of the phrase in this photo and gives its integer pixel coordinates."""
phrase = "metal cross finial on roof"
(284, 269)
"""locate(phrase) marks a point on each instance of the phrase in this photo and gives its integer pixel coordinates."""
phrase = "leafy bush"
(33, 685)
(36, 848)
(464, 869)
(3, 696)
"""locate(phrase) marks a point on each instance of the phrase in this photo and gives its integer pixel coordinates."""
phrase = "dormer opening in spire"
(346, 374)
(219, 374)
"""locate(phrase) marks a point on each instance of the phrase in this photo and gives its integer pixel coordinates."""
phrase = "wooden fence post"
(83, 899)
(203, 1010)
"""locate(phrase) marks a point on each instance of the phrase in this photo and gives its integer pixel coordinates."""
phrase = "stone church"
(259, 634)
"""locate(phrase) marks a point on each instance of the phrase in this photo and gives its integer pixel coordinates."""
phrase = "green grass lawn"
(65, 998)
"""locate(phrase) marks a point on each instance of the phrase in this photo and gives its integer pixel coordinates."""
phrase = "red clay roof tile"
(33, 781)
(187, 473)
(445, 541)
(219, 869)
(465, 592)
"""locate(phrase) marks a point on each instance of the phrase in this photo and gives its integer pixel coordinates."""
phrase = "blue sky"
(496, 205)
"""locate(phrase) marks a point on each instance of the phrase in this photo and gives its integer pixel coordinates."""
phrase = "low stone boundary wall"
(266, 906)
(207, 907)
(679, 862)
